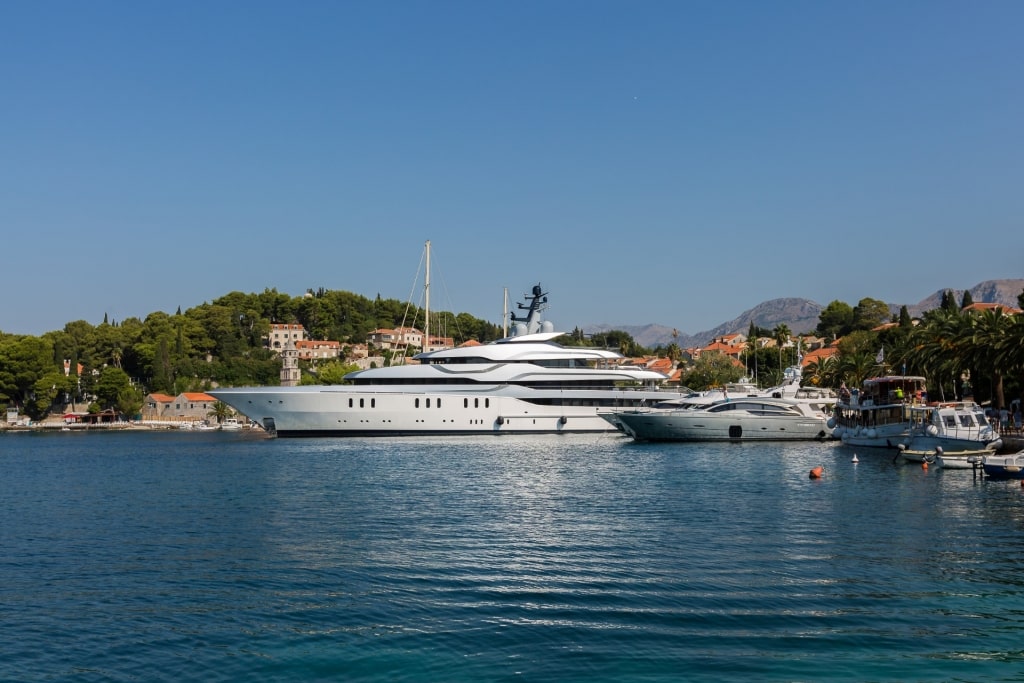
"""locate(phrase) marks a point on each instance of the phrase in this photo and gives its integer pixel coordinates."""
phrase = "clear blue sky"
(648, 162)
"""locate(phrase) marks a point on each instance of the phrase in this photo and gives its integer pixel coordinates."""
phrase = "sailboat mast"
(504, 315)
(426, 287)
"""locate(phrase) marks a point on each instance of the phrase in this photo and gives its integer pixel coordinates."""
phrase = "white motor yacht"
(525, 383)
(744, 419)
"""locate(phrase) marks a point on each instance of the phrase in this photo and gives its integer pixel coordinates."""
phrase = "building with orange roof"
(282, 333)
(156, 406)
(818, 355)
(315, 349)
(397, 338)
(1008, 310)
(184, 407)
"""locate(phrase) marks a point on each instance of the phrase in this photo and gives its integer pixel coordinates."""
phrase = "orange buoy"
(817, 472)
(924, 464)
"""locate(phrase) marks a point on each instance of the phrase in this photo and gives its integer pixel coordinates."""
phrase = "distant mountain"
(801, 315)
(989, 292)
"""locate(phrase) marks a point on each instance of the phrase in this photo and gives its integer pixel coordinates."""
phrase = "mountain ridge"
(801, 315)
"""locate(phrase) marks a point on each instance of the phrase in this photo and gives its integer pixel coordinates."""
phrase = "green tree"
(712, 369)
(936, 350)
(129, 401)
(781, 335)
(870, 313)
(24, 360)
(112, 382)
(44, 394)
(334, 372)
(835, 320)
(988, 330)
(949, 301)
(221, 411)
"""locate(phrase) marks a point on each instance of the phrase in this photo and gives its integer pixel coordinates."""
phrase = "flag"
(881, 355)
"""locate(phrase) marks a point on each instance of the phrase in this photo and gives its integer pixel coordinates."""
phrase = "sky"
(669, 162)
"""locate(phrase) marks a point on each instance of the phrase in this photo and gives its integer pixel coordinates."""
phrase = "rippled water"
(225, 557)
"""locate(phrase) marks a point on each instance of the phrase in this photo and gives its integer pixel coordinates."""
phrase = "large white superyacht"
(523, 383)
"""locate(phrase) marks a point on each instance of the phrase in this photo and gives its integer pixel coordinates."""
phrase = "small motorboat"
(950, 460)
(1004, 466)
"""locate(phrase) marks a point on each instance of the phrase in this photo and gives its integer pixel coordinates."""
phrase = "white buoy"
(855, 460)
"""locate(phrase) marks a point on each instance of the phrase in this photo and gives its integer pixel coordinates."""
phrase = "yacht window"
(465, 403)
(350, 403)
(967, 420)
(438, 402)
(373, 403)
(487, 403)
(476, 403)
(417, 403)
(950, 420)
(361, 402)
(428, 402)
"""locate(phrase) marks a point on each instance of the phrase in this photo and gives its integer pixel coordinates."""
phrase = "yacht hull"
(340, 411)
(655, 427)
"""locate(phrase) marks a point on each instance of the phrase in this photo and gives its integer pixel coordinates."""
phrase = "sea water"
(173, 556)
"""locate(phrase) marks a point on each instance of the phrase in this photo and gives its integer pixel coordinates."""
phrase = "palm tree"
(823, 372)
(937, 350)
(220, 411)
(854, 368)
(781, 334)
(987, 333)
(1010, 351)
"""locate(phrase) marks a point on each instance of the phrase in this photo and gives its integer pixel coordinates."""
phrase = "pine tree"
(949, 301)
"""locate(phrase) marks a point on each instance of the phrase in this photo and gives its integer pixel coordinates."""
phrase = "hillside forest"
(963, 353)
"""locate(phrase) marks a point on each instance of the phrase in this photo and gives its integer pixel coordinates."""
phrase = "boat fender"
(501, 420)
(817, 472)
(563, 419)
(831, 423)
(822, 434)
